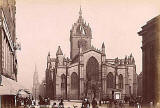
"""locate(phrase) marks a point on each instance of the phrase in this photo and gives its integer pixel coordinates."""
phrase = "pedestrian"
(110, 104)
(88, 103)
(100, 102)
(54, 105)
(61, 105)
(120, 104)
(48, 101)
(84, 103)
(94, 103)
(116, 104)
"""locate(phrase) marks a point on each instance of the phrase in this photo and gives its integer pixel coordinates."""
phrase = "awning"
(9, 86)
(23, 93)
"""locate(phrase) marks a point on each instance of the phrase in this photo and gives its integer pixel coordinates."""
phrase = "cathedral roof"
(59, 51)
(92, 48)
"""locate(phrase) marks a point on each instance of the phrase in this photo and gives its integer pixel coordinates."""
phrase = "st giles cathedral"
(87, 73)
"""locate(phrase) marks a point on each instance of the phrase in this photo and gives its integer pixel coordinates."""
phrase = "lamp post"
(67, 61)
(35, 95)
(44, 84)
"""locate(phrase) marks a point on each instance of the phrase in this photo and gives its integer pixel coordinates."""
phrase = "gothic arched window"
(120, 79)
(92, 69)
(74, 81)
(63, 78)
(110, 80)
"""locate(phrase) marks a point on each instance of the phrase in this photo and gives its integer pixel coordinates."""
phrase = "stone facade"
(150, 59)
(88, 72)
(8, 59)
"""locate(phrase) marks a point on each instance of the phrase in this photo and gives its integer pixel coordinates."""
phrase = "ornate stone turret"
(48, 57)
(59, 56)
(130, 58)
(116, 61)
(133, 61)
(59, 51)
(103, 48)
(125, 60)
(103, 53)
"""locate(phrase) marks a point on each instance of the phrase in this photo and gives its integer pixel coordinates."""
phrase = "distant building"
(36, 84)
(88, 72)
(150, 59)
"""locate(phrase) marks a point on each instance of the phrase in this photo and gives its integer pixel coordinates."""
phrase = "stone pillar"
(117, 82)
(116, 77)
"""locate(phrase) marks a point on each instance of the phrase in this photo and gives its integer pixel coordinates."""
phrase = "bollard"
(151, 104)
(138, 105)
(100, 103)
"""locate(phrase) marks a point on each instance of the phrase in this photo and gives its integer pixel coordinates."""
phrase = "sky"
(43, 25)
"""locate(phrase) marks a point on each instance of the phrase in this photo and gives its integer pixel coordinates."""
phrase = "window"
(120, 79)
(63, 81)
(74, 81)
(110, 80)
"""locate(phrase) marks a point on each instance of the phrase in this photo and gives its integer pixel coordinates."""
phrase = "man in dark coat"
(94, 103)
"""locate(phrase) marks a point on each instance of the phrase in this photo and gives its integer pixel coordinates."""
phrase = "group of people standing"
(86, 103)
(27, 101)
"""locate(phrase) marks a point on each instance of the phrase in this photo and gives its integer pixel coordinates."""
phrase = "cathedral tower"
(80, 35)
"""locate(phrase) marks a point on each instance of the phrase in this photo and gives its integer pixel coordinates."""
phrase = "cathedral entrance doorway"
(92, 76)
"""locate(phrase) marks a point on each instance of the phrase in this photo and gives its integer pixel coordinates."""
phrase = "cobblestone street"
(77, 104)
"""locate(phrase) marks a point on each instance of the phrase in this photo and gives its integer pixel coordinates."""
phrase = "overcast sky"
(43, 25)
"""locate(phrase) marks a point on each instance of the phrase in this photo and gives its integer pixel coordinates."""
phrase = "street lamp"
(35, 95)
(44, 84)
(67, 61)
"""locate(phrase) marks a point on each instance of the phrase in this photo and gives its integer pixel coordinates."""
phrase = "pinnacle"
(103, 46)
(59, 51)
(80, 12)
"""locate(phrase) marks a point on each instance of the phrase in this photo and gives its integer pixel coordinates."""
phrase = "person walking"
(54, 105)
(88, 104)
(94, 103)
(110, 104)
(83, 103)
(61, 105)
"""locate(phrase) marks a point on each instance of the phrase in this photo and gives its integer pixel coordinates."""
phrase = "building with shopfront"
(88, 72)
(8, 59)
(8, 64)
